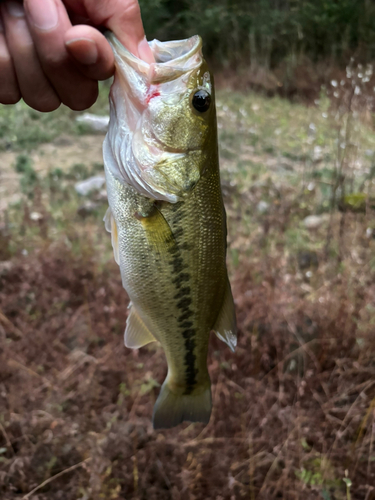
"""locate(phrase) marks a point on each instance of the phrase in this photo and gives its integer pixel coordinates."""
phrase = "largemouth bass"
(167, 218)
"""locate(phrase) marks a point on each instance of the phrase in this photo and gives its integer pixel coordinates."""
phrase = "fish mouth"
(175, 52)
(172, 59)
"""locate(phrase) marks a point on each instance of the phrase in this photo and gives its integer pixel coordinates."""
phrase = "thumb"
(126, 23)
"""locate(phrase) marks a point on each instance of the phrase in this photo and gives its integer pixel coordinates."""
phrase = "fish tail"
(172, 409)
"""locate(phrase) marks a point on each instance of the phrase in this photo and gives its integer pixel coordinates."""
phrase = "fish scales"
(171, 244)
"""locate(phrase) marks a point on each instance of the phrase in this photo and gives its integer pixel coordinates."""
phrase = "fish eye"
(201, 100)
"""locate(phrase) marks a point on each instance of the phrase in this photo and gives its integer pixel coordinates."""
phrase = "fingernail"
(144, 52)
(15, 9)
(83, 50)
(42, 13)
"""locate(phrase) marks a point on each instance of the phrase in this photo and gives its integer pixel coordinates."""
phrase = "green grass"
(22, 128)
(304, 138)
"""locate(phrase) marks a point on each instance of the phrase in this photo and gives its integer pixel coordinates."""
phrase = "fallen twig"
(6, 437)
(47, 481)
(10, 325)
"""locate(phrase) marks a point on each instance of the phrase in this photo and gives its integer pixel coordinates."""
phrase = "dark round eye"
(201, 100)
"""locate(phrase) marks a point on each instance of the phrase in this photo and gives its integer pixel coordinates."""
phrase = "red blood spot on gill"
(152, 92)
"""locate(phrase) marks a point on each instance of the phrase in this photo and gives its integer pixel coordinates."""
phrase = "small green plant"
(320, 474)
(24, 164)
(29, 177)
(309, 477)
(348, 484)
(149, 384)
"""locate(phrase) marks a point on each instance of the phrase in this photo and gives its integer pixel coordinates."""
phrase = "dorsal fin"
(225, 326)
(110, 225)
(136, 333)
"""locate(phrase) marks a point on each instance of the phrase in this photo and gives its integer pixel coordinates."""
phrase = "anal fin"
(225, 326)
(136, 333)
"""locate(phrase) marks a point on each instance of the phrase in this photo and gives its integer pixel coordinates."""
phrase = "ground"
(293, 407)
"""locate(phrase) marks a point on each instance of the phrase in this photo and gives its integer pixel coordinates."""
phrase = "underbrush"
(293, 407)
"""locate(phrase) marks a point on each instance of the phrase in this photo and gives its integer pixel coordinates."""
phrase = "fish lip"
(180, 63)
(196, 45)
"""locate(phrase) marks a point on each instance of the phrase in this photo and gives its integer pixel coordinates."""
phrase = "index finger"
(129, 30)
(122, 17)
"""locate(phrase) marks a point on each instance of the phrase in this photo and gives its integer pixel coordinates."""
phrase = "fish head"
(163, 121)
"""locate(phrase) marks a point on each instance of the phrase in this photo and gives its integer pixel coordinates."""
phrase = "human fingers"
(32, 83)
(48, 22)
(125, 21)
(123, 17)
(9, 90)
(91, 51)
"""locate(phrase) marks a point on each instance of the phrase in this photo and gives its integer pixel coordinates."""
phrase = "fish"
(167, 218)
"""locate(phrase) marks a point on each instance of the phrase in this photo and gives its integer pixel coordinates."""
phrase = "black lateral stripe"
(178, 264)
(186, 315)
(182, 292)
(186, 324)
(183, 303)
(190, 374)
(180, 279)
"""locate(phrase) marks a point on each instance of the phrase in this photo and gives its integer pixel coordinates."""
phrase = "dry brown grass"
(293, 407)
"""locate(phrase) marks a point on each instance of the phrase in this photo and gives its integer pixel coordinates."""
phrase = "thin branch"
(47, 481)
(12, 363)
(6, 437)
(10, 325)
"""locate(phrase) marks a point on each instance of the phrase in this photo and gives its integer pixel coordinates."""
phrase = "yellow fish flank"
(167, 217)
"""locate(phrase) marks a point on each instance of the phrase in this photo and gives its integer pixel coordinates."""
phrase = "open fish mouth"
(172, 60)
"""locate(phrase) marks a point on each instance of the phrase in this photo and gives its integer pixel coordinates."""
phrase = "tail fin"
(172, 409)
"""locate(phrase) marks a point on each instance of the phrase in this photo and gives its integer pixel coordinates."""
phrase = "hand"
(47, 61)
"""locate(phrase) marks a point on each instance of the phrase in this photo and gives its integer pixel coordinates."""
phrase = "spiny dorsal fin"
(225, 326)
(136, 333)
(158, 232)
(110, 225)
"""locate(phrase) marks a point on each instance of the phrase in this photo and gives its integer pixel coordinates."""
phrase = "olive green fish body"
(171, 251)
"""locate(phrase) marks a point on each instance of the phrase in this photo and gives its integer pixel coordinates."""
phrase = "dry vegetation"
(294, 407)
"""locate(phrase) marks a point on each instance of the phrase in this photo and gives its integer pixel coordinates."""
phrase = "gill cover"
(160, 116)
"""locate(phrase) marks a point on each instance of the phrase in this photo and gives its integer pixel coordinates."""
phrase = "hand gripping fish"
(167, 219)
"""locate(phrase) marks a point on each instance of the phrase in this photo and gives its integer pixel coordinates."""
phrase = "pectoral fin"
(158, 232)
(136, 333)
(225, 326)
(110, 225)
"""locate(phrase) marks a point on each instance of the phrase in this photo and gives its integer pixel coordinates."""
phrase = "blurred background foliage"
(265, 32)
